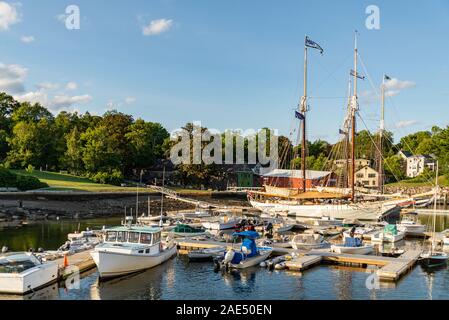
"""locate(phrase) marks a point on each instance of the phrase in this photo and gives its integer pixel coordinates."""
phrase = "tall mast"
(381, 132)
(303, 111)
(434, 211)
(354, 109)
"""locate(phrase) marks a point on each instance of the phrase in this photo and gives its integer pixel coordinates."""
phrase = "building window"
(371, 175)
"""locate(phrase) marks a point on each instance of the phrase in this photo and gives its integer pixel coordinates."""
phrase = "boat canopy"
(247, 234)
(391, 229)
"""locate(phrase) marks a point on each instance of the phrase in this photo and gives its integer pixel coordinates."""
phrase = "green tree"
(146, 141)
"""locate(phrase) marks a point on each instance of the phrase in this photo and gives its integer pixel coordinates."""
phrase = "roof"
(310, 174)
(367, 167)
(406, 154)
(136, 229)
(246, 234)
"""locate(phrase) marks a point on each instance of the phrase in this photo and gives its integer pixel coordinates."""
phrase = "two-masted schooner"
(317, 201)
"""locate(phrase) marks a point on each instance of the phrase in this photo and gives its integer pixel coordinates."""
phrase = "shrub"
(24, 183)
(30, 168)
(115, 177)
(7, 178)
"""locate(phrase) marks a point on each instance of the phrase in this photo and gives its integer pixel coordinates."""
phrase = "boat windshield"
(15, 265)
(145, 238)
(122, 236)
(111, 236)
(133, 237)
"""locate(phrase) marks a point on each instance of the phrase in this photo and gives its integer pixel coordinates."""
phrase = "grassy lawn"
(67, 182)
(442, 181)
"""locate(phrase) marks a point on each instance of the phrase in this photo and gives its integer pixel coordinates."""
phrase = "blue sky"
(229, 64)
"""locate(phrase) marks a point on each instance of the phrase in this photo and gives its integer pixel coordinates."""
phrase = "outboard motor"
(4, 249)
(229, 256)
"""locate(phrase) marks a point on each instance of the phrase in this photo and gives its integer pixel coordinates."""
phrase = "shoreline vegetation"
(100, 153)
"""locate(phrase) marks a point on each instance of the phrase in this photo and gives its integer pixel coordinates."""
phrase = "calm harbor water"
(179, 279)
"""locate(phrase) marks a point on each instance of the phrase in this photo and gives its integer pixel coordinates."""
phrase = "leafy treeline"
(113, 146)
(105, 148)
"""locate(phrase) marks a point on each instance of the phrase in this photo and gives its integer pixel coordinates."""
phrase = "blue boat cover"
(353, 242)
(246, 234)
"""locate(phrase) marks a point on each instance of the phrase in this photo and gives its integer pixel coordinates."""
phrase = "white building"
(416, 165)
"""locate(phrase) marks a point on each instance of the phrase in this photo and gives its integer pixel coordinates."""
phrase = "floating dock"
(77, 262)
(390, 269)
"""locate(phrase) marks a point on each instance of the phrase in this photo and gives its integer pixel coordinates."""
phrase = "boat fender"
(229, 256)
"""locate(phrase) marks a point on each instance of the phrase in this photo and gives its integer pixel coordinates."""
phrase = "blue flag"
(299, 115)
(312, 44)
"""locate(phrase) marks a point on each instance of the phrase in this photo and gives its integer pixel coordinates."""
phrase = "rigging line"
(316, 98)
(330, 74)
(377, 147)
(369, 78)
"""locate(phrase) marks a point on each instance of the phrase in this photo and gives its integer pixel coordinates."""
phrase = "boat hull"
(253, 261)
(367, 249)
(219, 225)
(368, 212)
(29, 280)
(434, 261)
(114, 264)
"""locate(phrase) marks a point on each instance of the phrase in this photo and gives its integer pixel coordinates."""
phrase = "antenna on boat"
(149, 207)
(381, 132)
(162, 196)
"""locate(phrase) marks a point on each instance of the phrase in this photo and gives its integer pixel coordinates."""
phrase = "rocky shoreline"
(46, 209)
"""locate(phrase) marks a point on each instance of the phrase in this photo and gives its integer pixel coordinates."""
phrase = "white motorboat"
(22, 272)
(249, 254)
(327, 221)
(411, 227)
(80, 241)
(263, 254)
(353, 246)
(129, 249)
(308, 241)
(222, 223)
(382, 236)
(195, 214)
(206, 254)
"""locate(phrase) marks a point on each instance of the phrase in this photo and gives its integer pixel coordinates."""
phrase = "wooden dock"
(303, 262)
(391, 269)
(80, 262)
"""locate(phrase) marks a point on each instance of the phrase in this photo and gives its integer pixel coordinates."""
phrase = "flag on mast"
(358, 75)
(387, 77)
(312, 44)
(299, 115)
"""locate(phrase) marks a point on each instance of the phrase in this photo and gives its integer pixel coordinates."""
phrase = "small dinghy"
(206, 254)
(185, 230)
(249, 254)
(353, 246)
(308, 241)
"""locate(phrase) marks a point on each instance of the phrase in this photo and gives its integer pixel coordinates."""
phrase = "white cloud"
(47, 86)
(392, 88)
(34, 97)
(63, 101)
(71, 86)
(157, 27)
(396, 84)
(406, 123)
(12, 77)
(8, 15)
(130, 100)
(27, 39)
